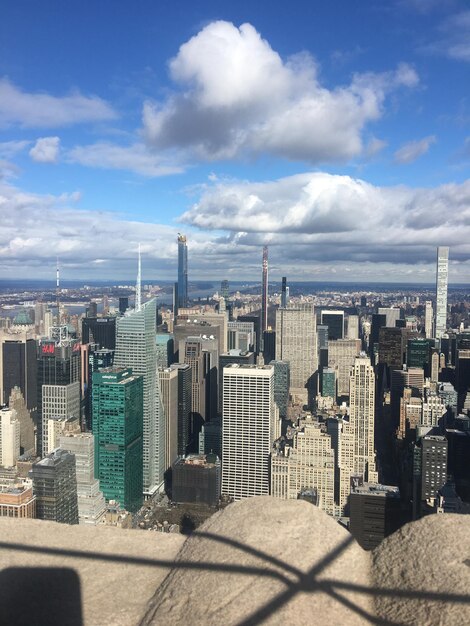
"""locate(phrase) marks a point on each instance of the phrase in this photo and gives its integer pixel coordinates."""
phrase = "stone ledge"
(259, 559)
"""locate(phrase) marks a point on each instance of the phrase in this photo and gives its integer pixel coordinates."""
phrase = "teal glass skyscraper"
(118, 430)
(182, 271)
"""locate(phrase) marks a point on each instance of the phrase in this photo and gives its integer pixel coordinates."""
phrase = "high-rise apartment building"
(136, 349)
(264, 292)
(357, 456)
(55, 487)
(249, 428)
(428, 319)
(296, 342)
(118, 408)
(90, 500)
(182, 272)
(284, 293)
(441, 290)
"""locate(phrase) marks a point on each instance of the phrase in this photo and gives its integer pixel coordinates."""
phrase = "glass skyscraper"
(136, 348)
(118, 429)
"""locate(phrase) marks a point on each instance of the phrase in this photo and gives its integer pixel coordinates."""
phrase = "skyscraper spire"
(138, 286)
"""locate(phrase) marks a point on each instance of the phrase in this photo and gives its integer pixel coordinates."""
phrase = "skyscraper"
(55, 487)
(249, 428)
(284, 293)
(182, 271)
(357, 439)
(335, 322)
(136, 348)
(118, 427)
(264, 292)
(428, 319)
(296, 342)
(441, 290)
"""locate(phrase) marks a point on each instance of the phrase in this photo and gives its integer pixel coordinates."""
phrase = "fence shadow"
(295, 581)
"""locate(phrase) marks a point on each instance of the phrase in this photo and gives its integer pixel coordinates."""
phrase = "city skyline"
(357, 166)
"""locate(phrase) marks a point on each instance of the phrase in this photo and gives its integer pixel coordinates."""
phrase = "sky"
(335, 132)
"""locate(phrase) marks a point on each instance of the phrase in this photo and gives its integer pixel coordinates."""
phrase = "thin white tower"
(441, 290)
(138, 285)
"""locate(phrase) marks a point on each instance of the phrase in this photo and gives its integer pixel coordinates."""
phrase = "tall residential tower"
(182, 271)
(441, 290)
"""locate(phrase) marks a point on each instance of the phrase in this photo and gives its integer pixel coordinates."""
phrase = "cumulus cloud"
(318, 227)
(45, 150)
(41, 110)
(320, 217)
(237, 96)
(135, 158)
(414, 149)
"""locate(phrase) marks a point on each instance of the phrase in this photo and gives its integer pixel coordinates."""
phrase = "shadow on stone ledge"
(261, 560)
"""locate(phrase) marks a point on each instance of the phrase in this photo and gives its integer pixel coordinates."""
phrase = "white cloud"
(9, 149)
(239, 96)
(321, 217)
(45, 150)
(414, 149)
(135, 158)
(41, 110)
(452, 39)
(318, 227)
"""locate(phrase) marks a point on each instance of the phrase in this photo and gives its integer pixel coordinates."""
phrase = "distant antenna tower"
(138, 286)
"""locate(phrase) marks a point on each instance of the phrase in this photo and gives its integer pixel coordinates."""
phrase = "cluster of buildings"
(362, 410)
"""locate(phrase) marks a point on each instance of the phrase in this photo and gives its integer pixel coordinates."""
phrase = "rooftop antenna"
(138, 286)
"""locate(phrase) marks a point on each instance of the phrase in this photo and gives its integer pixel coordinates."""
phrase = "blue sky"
(338, 133)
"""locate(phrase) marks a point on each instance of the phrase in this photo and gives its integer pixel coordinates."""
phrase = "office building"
(210, 437)
(196, 479)
(374, 513)
(392, 315)
(429, 472)
(232, 356)
(97, 360)
(123, 304)
(281, 386)
(328, 383)
(308, 464)
(249, 428)
(296, 342)
(335, 322)
(392, 347)
(90, 500)
(136, 349)
(225, 290)
(182, 292)
(18, 502)
(184, 405)
(9, 437)
(169, 389)
(55, 487)
(19, 368)
(284, 299)
(60, 405)
(164, 349)
(342, 355)
(418, 354)
(17, 403)
(441, 290)
(353, 327)
(241, 336)
(256, 321)
(99, 330)
(59, 364)
(118, 409)
(357, 455)
(269, 345)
